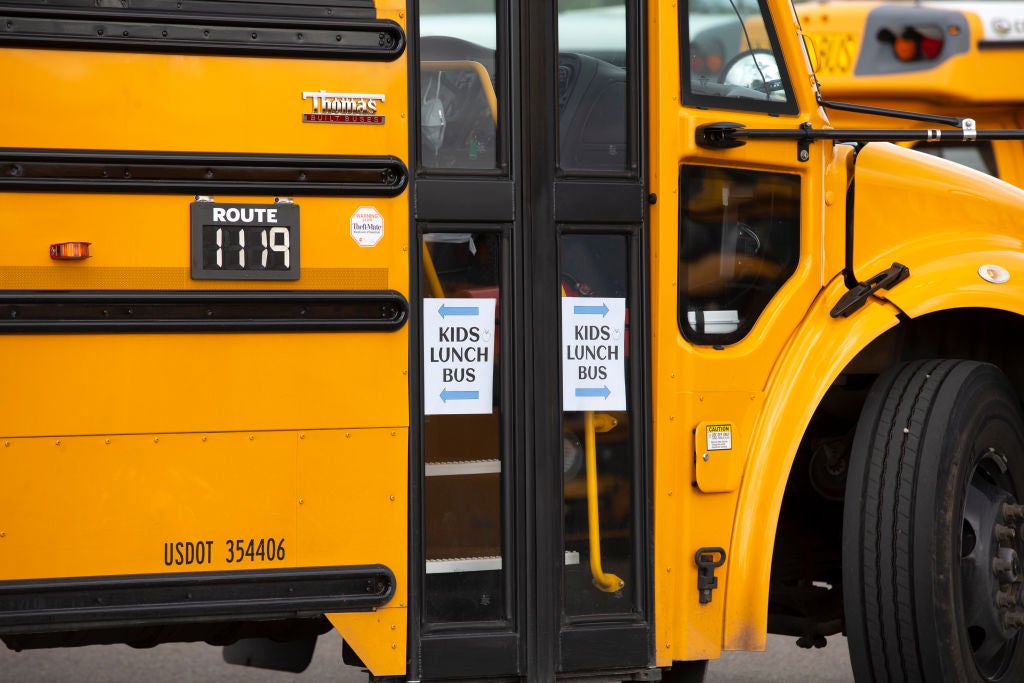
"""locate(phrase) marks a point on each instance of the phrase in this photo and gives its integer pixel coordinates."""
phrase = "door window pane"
(739, 241)
(594, 270)
(463, 464)
(593, 85)
(458, 85)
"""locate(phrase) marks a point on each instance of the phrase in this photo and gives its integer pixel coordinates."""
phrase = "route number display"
(245, 241)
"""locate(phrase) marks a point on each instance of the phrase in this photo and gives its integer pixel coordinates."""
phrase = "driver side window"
(730, 58)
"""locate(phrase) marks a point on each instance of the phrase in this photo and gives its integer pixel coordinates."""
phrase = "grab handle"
(609, 583)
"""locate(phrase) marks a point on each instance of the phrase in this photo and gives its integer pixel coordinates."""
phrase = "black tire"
(938, 453)
(685, 672)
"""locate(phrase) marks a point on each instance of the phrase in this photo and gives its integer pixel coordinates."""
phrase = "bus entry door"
(532, 471)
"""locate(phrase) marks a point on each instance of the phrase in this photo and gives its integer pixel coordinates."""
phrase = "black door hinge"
(708, 559)
(858, 294)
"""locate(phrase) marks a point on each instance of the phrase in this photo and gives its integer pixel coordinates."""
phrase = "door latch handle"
(721, 135)
(708, 559)
(859, 293)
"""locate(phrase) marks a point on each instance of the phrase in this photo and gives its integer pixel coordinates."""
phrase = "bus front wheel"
(932, 530)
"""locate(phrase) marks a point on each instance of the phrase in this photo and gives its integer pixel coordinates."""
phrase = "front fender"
(957, 280)
(817, 353)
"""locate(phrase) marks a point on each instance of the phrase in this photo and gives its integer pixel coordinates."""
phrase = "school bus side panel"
(132, 446)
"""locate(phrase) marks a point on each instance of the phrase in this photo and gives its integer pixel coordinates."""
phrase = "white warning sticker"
(719, 437)
(366, 226)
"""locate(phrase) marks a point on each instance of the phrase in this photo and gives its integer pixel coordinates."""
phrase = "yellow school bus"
(949, 61)
(512, 341)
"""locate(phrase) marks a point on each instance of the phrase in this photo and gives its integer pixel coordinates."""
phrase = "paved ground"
(198, 663)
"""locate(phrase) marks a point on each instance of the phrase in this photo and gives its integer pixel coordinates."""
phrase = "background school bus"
(949, 59)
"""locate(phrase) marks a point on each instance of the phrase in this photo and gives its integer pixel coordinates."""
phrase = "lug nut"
(1005, 599)
(1013, 620)
(1006, 566)
(1001, 565)
(1012, 512)
(1005, 534)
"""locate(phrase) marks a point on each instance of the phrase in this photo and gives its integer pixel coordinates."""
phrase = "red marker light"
(930, 47)
(70, 251)
(914, 42)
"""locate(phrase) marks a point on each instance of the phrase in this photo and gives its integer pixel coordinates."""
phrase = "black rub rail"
(294, 30)
(62, 312)
(52, 605)
(153, 172)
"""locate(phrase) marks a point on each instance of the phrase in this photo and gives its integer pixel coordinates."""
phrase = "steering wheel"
(756, 69)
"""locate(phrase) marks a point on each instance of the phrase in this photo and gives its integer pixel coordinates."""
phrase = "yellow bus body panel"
(121, 504)
(142, 242)
(732, 381)
(201, 382)
(130, 453)
(88, 100)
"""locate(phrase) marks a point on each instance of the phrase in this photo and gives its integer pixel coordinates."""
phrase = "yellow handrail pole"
(609, 583)
(428, 268)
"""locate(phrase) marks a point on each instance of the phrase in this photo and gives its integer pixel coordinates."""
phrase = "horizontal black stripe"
(142, 172)
(235, 8)
(49, 605)
(997, 45)
(35, 312)
(244, 29)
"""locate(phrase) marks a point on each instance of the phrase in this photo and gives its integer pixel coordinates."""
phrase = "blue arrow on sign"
(459, 395)
(592, 392)
(458, 310)
(601, 310)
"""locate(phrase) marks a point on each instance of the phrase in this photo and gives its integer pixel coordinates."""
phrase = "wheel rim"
(991, 579)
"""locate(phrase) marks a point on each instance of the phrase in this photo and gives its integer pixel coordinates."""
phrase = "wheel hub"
(992, 581)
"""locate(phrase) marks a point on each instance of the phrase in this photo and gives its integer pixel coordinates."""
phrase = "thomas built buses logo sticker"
(343, 107)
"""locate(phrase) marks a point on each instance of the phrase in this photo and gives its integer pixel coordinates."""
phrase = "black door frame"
(535, 641)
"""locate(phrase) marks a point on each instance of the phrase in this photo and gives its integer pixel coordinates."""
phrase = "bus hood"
(920, 210)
